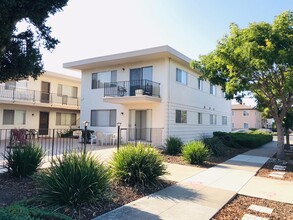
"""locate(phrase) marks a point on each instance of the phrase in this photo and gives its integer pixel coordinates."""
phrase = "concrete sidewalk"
(201, 193)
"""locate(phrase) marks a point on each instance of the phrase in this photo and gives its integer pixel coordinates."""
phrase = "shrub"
(23, 160)
(74, 179)
(137, 165)
(253, 139)
(17, 212)
(215, 145)
(195, 152)
(173, 145)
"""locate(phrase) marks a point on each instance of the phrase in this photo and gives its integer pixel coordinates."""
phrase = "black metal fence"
(33, 96)
(132, 88)
(56, 142)
(153, 136)
(60, 141)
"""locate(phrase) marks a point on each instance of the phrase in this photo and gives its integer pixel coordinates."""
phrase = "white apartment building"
(153, 93)
(50, 102)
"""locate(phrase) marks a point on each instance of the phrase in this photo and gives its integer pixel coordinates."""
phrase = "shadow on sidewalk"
(127, 212)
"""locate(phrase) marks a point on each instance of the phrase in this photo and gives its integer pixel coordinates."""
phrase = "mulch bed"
(13, 190)
(212, 161)
(239, 206)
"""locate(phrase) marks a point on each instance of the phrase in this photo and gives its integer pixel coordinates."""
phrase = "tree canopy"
(20, 55)
(257, 59)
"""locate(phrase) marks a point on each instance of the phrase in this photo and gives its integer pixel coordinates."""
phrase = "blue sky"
(92, 28)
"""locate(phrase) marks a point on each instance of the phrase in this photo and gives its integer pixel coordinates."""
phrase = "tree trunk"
(280, 142)
(287, 138)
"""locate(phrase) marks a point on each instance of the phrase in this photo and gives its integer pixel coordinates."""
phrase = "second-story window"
(10, 85)
(70, 91)
(200, 84)
(98, 79)
(212, 89)
(181, 76)
(245, 113)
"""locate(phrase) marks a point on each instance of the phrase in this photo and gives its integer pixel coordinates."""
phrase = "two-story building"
(50, 102)
(245, 117)
(154, 94)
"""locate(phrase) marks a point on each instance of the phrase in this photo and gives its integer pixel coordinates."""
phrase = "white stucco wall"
(191, 99)
(173, 96)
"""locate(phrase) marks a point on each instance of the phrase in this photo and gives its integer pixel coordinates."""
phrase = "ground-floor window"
(103, 118)
(213, 119)
(65, 118)
(181, 116)
(245, 125)
(14, 117)
(224, 120)
(199, 118)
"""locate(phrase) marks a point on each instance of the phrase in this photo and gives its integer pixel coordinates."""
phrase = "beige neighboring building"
(245, 117)
(50, 102)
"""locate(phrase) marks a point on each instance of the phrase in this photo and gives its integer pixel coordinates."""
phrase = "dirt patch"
(13, 190)
(239, 206)
(212, 161)
(268, 168)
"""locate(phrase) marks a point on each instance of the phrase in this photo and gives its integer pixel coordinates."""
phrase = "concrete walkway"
(201, 193)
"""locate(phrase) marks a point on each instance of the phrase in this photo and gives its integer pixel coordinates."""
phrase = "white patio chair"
(100, 138)
(113, 138)
(93, 138)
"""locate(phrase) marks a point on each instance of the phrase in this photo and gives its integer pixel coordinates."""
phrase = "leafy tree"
(257, 59)
(20, 55)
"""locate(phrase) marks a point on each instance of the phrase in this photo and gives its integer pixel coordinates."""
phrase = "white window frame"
(245, 125)
(98, 80)
(180, 116)
(199, 118)
(245, 112)
(65, 119)
(213, 89)
(224, 120)
(200, 84)
(181, 76)
(213, 119)
(18, 117)
(110, 121)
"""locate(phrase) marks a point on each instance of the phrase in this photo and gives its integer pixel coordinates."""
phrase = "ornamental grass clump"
(74, 179)
(173, 145)
(195, 152)
(137, 165)
(23, 160)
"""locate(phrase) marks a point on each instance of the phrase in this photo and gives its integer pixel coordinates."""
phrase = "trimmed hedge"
(252, 139)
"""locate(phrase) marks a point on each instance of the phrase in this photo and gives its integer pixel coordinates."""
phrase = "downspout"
(168, 99)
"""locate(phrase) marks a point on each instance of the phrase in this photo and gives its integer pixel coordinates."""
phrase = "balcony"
(136, 91)
(37, 98)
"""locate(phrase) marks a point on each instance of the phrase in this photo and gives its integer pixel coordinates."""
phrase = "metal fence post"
(53, 142)
(118, 135)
